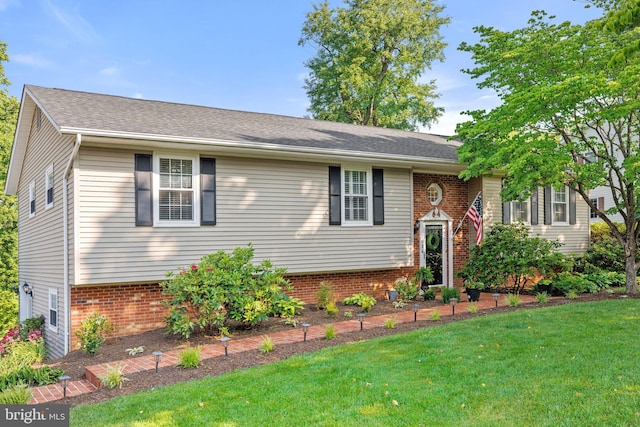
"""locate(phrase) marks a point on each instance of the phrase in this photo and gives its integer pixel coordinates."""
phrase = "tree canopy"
(567, 117)
(9, 107)
(371, 59)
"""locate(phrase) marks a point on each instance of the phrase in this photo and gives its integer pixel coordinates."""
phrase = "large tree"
(371, 59)
(566, 118)
(8, 205)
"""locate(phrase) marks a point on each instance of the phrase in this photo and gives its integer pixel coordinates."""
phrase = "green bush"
(509, 258)
(8, 310)
(604, 254)
(448, 293)
(16, 395)
(190, 357)
(29, 375)
(429, 295)
(407, 288)
(564, 283)
(325, 295)
(92, 332)
(224, 287)
(362, 300)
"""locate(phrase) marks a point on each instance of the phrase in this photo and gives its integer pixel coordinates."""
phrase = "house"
(113, 192)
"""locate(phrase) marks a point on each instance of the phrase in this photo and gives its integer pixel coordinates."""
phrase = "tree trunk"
(630, 264)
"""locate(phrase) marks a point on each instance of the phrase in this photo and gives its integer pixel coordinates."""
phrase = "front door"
(434, 254)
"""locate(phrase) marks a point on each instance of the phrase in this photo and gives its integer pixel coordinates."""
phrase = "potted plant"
(424, 276)
(544, 285)
(392, 294)
(473, 288)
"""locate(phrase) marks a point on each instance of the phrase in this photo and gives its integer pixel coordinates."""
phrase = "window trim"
(32, 199)
(369, 195)
(554, 203)
(195, 180)
(53, 292)
(49, 185)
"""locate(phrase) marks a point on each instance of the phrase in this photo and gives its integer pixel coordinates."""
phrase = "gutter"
(65, 228)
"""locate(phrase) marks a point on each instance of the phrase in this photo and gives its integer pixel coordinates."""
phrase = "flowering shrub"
(223, 287)
(29, 331)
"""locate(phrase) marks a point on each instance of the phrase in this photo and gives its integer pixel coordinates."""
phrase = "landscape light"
(305, 329)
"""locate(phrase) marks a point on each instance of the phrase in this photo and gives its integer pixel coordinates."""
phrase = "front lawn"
(574, 364)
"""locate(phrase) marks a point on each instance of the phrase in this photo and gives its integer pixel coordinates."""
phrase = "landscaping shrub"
(223, 287)
(114, 376)
(564, 283)
(362, 300)
(448, 293)
(325, 295)
(29, 375)
(190, 357)
(407, 288)
(8, 310)
(267, 345)
(510, 259)
(16, 395)
(92, 332)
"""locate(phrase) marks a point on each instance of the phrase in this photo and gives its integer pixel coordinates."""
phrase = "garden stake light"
(64, 382)
(305, 329)
(225, 343)
(495, 297)
(415, 312)
(453, 302)
(361, 318)
(156, 356)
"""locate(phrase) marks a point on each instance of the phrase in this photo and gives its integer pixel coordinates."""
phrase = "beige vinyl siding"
(281, 207)
(574, 238)
(40, 244)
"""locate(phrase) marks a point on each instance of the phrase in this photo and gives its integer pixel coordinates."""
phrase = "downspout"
(65, 227)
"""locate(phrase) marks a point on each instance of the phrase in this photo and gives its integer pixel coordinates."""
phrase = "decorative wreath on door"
(433, 241)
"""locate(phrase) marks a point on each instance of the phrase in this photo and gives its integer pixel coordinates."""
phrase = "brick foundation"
(131, 308)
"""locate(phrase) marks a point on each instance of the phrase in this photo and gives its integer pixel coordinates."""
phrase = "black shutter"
(506, 212)
(144, 199)
(207, 191)
(534, 206)
(547, 205)
(572, 206)
(378, 196)
(335, 214)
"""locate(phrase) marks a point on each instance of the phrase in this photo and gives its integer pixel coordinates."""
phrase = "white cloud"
(446, 125)
(31, 60)
(71, 19)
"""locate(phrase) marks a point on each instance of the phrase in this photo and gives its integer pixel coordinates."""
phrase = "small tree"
(226, 287)
(510, 258)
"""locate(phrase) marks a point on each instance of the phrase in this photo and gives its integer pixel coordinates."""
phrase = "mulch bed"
(114, 350)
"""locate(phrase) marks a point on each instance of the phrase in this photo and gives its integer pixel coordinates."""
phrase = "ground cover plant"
(462, 373)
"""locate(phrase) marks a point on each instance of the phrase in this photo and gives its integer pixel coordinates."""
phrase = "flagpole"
(465, 214)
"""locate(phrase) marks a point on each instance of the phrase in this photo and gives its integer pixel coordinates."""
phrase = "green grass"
(554, 366)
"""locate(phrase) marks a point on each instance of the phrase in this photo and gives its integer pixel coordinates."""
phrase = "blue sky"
(235, 54)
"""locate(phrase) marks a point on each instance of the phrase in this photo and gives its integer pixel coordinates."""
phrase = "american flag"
(474, 213)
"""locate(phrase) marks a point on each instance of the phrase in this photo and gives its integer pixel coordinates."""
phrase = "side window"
(175, 195)
(32, 199)
(48, 179)
(560, 206)
(53, 309)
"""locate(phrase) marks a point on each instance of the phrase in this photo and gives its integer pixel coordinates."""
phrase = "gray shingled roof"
(96, 112)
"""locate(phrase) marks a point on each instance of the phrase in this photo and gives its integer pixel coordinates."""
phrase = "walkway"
(54, 392)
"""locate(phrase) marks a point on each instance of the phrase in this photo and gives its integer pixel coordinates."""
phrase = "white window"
(434, 193)
(175, 201)
(32, 199)
(356, 198)
(592, 213)
(520, 211)
(560, 206)
(53, 309)
(48, 179)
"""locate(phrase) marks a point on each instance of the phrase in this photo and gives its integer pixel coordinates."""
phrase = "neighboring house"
(113, 192)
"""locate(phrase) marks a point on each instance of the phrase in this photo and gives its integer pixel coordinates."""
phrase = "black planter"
(473, 294)
(545, 288)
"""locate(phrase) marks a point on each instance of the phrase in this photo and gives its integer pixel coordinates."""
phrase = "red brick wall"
(131, 308)
(455, 202)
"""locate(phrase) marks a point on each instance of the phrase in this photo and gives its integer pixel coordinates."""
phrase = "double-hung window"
(560, 205)
(356, 196)
(53, 309)
(48, 181)
(176, 201)
(520, 211)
